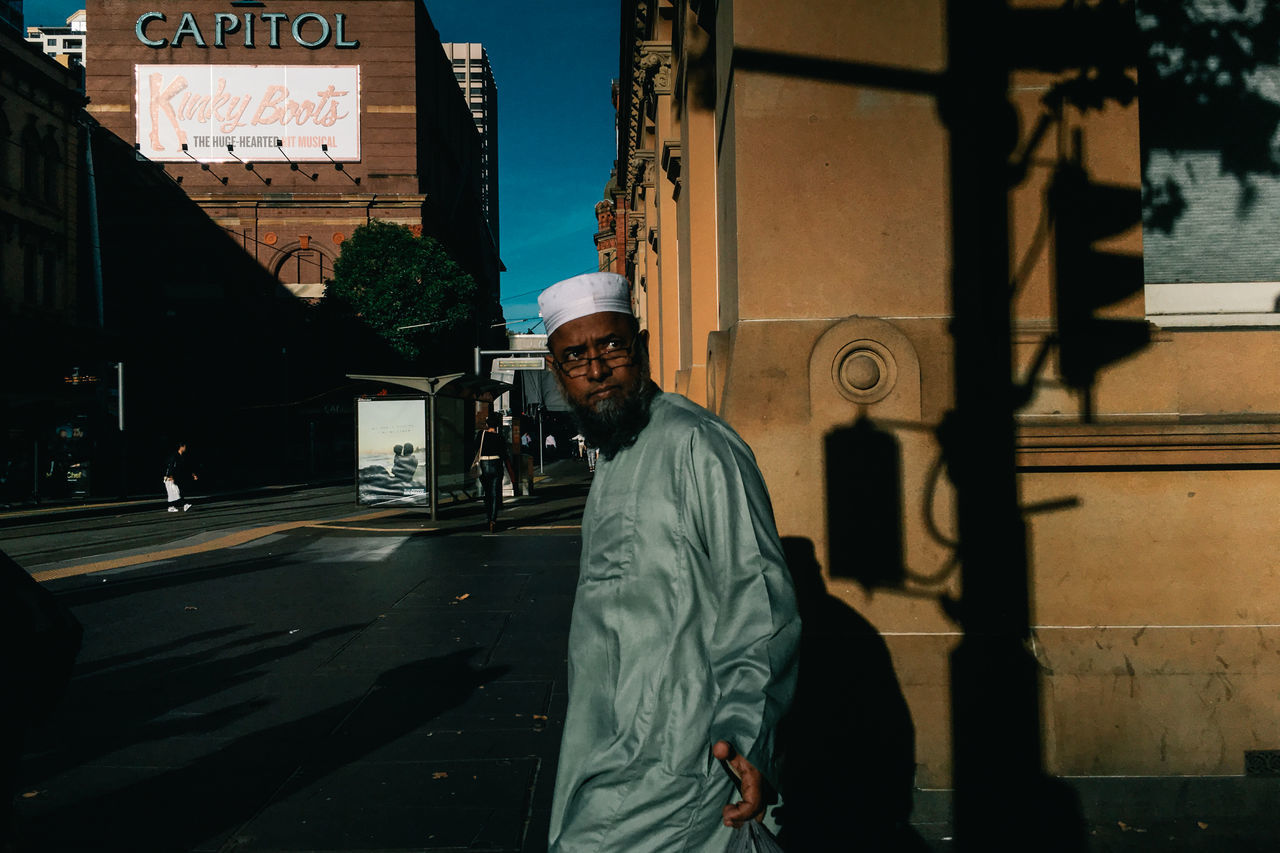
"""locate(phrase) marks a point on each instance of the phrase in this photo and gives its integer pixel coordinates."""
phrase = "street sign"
(519, 364)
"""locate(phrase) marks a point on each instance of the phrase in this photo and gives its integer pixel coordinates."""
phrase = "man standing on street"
(176, 471)
(683, 642)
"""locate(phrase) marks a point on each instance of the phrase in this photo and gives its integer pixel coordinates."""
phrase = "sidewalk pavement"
(557, 471)
(370, 687)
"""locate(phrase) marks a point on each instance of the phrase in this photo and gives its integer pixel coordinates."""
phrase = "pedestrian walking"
(176, 472)
(549, 446)
(494, 459)
(684, 633)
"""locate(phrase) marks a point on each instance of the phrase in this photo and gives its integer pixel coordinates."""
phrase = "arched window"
(32, 154)
(52, 170)
(30, 275)
(303, 272)
(49, 291)
(6, 161)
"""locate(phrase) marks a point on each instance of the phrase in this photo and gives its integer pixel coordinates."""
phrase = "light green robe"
(684, 632)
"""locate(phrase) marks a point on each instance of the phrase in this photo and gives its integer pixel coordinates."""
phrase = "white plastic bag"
(751, 837)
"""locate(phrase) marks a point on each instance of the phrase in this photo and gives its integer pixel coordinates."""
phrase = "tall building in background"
(65, 43)
(475, 78)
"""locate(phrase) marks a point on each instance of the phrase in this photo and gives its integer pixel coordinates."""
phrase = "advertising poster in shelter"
(391, 451)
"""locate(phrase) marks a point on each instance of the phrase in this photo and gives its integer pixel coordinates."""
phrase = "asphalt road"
(295, 673)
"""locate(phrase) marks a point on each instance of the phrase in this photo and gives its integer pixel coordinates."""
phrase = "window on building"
(303, 271)
(51, 171)
(51, 42)
(49, 291)
(31, 156)
(5, 160)
(73, 43)
(30, 275)
(1210, 121)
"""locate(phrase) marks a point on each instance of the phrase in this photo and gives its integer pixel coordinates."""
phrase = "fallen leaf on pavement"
(190, 607)
(464, 596)
(1202, 824)
(439, 774)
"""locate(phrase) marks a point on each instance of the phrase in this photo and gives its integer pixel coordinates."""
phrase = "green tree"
(388, 278)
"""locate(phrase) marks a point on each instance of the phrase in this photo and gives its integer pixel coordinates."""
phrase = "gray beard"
(615, 424)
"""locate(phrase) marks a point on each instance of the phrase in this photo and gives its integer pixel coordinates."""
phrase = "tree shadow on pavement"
(112, 709)
(212, 796)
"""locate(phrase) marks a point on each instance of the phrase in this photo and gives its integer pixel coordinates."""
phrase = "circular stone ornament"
(864, 371)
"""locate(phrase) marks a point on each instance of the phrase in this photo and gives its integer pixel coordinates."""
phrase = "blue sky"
(553, 63)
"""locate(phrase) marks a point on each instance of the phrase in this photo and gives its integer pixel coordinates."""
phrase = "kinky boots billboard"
(253, 112)
(254, 81)
(263, 113)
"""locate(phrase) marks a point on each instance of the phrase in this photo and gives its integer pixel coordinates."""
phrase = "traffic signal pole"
(998, 775)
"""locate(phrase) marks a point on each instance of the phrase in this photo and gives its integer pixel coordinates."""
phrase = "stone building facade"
(50, 296)
(41, 158)
(788, 229)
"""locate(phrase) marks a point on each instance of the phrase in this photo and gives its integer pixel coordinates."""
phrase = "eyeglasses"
(576, 363)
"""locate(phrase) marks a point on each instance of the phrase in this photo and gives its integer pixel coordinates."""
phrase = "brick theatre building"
(292, 123)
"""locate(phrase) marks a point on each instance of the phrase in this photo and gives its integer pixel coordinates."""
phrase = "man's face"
(602, 387)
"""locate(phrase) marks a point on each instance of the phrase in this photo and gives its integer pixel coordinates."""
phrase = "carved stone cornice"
(631, 95)
(655, 65)
(649, 75)
(635, 221)
(671, 165)
(640, 169)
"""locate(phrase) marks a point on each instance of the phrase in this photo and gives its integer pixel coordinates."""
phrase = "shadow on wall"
(848, 743)
(217, 351)
(853, 730)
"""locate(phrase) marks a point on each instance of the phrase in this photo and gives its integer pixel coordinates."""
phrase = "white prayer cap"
(582, 295)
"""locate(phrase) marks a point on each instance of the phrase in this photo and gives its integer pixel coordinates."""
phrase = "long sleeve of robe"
(684, 632)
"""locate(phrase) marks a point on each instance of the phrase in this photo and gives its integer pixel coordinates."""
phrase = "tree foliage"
(390, 278)
(1210, 79)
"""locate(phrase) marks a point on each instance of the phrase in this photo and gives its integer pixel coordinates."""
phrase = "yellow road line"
(239, 537)
(325, 526)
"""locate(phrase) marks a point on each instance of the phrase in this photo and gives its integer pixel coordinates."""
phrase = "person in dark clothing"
(494, 459)
(176, 471)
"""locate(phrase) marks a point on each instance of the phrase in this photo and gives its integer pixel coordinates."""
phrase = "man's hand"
(751, 785)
